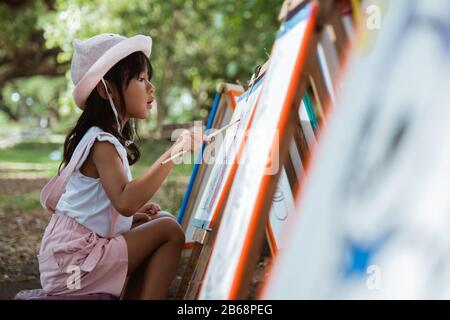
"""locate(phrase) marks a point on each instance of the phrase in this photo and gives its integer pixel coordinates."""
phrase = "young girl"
(102, 231)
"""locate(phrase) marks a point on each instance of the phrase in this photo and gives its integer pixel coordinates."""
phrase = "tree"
(23, 51)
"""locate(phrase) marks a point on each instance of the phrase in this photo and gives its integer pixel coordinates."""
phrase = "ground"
(21, 230)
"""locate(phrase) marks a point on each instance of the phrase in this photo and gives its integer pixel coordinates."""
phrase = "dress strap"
(53, 190)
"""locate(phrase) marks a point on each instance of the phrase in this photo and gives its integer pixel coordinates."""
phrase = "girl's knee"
(174, 230)
(178, 234)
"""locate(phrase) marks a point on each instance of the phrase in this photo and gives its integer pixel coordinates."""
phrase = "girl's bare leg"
(154, 250)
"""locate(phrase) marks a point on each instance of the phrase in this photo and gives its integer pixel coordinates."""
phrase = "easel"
(220, 115)
(224, 104)
(200, 233)
(323, 95)
(205, 240)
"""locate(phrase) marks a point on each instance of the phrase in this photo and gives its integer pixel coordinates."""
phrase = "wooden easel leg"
(339, 31)
(199, 271)
(318, 83)
(189, 271)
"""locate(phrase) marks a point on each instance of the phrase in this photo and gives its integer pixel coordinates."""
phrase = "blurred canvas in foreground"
(374, 213)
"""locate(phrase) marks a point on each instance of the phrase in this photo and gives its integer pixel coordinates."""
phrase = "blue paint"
(300, 16)
(359, 256)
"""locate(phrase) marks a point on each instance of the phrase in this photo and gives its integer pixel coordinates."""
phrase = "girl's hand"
(150, 209)
(139, 218)
(189, 141)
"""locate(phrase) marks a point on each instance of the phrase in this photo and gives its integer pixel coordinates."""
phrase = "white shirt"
(85, 199)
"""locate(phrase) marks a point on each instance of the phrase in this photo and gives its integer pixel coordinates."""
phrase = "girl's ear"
(101, 90)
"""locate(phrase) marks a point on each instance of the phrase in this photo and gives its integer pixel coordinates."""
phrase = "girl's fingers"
(146, 212)
(139, 216)
(138, 219)
(151, 205)
(155, 206)
(145, 207)
(152, 209)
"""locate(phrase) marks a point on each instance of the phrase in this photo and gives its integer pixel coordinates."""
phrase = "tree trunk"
(161, 93)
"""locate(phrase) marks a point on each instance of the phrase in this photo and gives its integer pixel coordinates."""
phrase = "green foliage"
(18, 24)
(35, 96)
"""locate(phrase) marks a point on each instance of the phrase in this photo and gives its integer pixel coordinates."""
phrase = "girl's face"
(138, 97)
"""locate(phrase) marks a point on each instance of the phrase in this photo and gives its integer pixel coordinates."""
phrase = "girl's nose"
(150, 86)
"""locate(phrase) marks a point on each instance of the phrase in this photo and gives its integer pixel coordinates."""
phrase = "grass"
(34, 152)
(30, 152)
(169, 197)
(19, 202)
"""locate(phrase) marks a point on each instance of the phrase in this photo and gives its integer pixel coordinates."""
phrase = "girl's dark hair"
(98, 111)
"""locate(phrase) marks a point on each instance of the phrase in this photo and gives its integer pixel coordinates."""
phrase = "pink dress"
(72, 258)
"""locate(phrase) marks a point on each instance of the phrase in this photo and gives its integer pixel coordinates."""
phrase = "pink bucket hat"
(93, 58)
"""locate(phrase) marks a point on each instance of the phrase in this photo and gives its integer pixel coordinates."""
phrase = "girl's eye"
(143, 80)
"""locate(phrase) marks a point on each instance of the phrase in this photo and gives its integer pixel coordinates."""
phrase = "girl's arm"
(128, 196)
